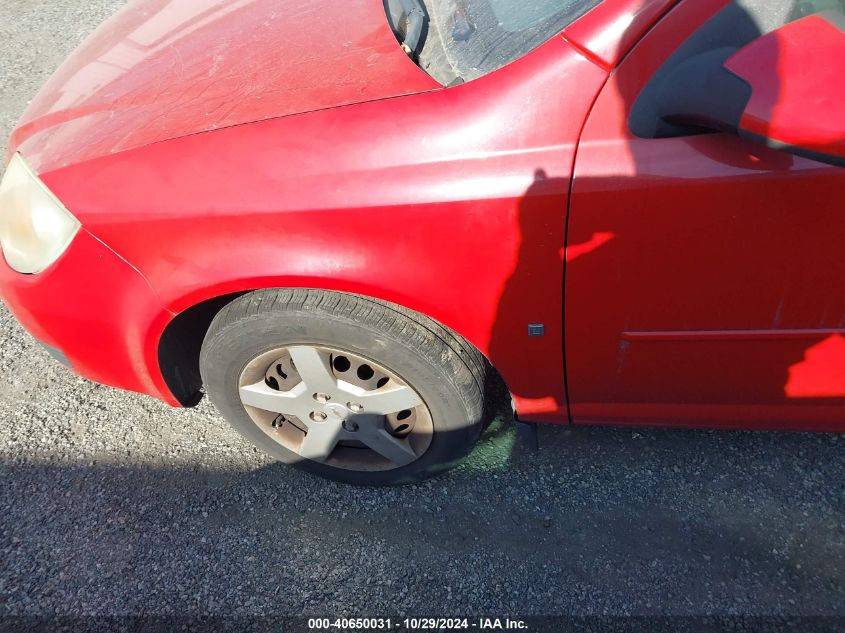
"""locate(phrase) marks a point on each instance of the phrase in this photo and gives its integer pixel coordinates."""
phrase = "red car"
(357, 224)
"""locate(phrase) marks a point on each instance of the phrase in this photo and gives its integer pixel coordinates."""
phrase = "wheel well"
(181, 342)
(180, 345)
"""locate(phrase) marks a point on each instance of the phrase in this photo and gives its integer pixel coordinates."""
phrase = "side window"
(738, 24)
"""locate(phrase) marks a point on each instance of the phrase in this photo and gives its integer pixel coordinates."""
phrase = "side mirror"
(785, 89)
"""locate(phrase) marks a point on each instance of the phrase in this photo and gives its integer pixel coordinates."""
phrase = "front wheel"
(343, 386)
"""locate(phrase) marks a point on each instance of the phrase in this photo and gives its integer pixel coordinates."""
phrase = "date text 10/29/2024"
(416, 624)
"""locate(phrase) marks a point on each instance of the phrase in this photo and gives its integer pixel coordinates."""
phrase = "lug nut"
(322, 398)
(355, 407)
(350, 426)
(318, 416)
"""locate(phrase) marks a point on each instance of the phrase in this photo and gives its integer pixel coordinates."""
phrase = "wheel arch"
(180, 342)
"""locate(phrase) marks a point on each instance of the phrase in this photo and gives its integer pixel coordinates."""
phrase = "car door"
(704, 274)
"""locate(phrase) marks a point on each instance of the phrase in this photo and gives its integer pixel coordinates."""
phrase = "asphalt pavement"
(115, 504)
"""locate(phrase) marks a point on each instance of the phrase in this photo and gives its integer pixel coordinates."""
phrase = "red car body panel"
(255, 206)
(160, 70)
(608, 32)
(714, 297)
(341, 165)
(96, 309)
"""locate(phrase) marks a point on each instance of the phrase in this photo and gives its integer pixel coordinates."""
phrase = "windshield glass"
(465, 39)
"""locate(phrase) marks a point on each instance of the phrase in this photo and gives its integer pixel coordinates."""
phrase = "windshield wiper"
(415, 17)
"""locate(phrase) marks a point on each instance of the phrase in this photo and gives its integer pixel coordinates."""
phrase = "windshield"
(461, 40)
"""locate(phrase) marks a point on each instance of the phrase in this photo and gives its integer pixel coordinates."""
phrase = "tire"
(448, 374)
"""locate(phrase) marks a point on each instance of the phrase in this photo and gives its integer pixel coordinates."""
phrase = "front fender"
(450, 203)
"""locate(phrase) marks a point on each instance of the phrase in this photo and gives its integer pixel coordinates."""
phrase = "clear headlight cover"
(35, 228)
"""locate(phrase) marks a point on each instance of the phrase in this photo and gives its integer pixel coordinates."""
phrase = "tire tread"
(471, 374)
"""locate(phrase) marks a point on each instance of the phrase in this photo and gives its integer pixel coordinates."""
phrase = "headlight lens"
(35, 228)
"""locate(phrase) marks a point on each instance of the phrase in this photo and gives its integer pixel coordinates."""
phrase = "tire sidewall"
(227, 351)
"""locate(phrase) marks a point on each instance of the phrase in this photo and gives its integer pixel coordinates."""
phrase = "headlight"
(35, 228)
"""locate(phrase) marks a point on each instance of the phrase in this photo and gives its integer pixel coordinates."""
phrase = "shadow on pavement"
(600, 521)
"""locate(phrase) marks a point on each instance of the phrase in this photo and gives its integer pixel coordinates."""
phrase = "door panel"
(714, 294)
